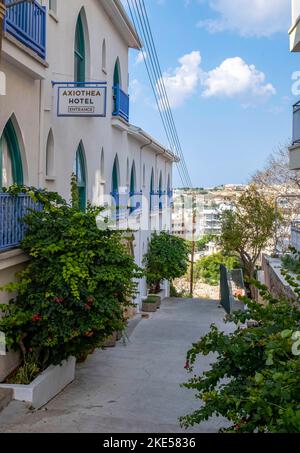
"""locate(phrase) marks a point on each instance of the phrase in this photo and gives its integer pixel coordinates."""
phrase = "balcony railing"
(296, 123)
(135, 202)
(12, 210)
(27, 23)
(121, 100)
(295, 235)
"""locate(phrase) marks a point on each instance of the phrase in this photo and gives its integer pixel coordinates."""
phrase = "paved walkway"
(132, 388)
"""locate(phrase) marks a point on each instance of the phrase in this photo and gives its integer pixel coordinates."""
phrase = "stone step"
(5, 398)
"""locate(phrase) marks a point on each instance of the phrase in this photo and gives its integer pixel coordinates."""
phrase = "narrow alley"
(134, 387)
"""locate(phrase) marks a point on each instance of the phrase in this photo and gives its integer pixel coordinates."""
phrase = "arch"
(144, 175)
(104, 56)
(160, 191)
(80, 172)
(115, 182)
(102, 167)
(117, 73)
(11, 169)
(132, 190)
(50, 155)
(79, 50)
(151, 189)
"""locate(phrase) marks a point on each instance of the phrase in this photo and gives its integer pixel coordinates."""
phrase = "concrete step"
(5, 398)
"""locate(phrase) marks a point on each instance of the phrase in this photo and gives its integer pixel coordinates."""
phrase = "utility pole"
(193, 246)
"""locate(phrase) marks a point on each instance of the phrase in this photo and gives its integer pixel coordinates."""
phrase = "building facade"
(52, 44)
(294, 33)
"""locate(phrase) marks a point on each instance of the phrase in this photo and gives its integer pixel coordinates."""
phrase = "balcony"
(27, 23)
(121, 103)
(12, 210)
(294, 150)
(295, 236)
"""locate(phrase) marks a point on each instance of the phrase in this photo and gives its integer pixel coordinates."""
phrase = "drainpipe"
(2, 15)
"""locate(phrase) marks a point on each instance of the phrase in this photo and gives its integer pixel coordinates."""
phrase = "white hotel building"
(50, 44)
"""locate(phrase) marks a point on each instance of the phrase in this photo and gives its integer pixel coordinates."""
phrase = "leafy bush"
(203, 242)
(167, 258)
(72, 294)
(207, 269)
(255, 381)
(291, 263)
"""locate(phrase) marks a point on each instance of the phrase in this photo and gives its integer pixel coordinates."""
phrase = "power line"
(141, 23)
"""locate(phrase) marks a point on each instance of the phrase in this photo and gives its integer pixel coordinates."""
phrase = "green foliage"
(73, 293)
(255, 381)
(167, 258)
(208, 268)
(248, 228)
(291, 263)
(202, 243)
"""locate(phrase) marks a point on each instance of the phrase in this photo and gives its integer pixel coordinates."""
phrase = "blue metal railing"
(121, 100)
(135, 202)
(27, 23)
(12, 210)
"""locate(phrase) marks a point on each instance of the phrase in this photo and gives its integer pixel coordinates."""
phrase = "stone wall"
(274, 280)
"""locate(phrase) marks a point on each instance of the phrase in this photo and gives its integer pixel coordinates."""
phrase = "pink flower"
(36, 317)
(90, 300)
(58, 300)
(30, 350)
(87, 307)
(187, 365)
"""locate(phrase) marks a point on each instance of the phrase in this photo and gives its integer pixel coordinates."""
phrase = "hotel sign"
(81, 100)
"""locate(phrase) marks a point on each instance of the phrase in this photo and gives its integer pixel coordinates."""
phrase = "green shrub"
(207, 269)
(167, 258)
(72, 294)
(255, 381)
(291, 263)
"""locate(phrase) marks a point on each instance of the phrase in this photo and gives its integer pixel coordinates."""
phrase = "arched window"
(11, 170)
(127, 173)
(117, 73)
(50, 155)
(160, 191)
(102, 167)
(132, 191)
(79, 52)
(151, 190)
(80, 172)
(169, 192)
(104, 56)
(115, 184)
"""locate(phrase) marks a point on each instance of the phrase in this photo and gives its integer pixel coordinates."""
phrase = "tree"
(167, 258)
(277, 178)
(248, 228)
(208, 268)
(202, 243)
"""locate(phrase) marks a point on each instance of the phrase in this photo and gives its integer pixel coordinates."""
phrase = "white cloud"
(234, 77)
(141, 57)
(249, 17)
(182, 82)
(135, 90)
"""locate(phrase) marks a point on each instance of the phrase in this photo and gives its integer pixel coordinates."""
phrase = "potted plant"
(156, 299)
(149, 305)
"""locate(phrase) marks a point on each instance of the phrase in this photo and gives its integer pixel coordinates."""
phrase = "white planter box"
(46, 386)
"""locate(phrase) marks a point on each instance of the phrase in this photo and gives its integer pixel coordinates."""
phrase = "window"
(117, 74)
(132, 188)
(11, 171)
(151, 190)
(50, 156)
(79, 52)
(53, 6)
(79, 171)
(104, 56)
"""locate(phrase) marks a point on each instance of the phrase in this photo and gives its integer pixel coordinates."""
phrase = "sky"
(228, 73)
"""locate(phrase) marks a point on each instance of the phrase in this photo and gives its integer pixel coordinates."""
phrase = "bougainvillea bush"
(72, 295)
(255, 380)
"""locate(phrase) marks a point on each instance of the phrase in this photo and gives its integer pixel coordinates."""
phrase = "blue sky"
(227, 69)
